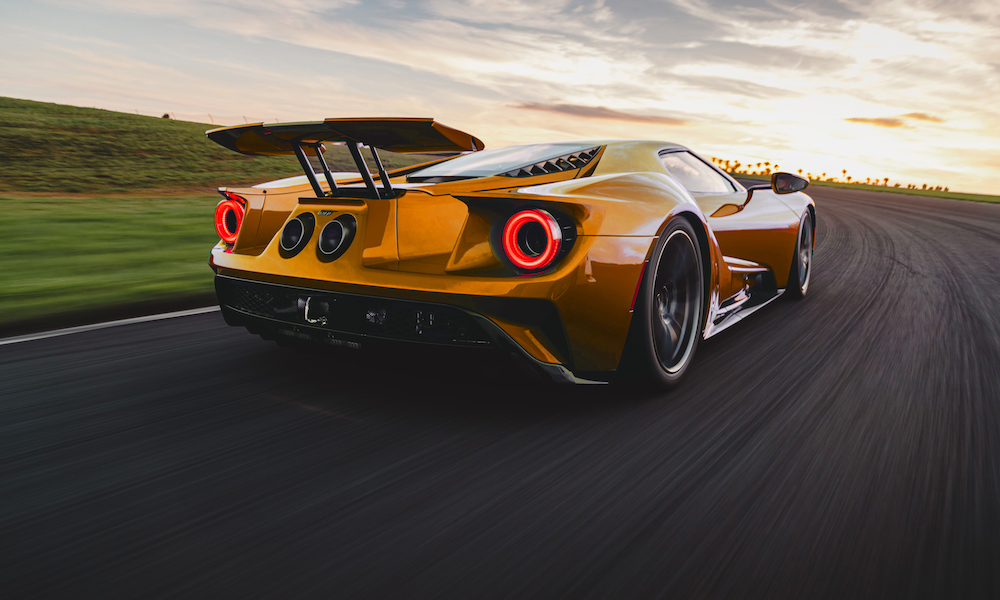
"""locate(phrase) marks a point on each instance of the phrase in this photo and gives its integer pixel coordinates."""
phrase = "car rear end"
(436, 259)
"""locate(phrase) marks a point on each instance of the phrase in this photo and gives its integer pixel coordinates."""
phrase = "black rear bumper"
(346, 319)
(352, 317)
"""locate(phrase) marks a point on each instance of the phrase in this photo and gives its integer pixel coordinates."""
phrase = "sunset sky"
(904, 89)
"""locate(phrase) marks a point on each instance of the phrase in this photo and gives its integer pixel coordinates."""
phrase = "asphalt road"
(844, 446)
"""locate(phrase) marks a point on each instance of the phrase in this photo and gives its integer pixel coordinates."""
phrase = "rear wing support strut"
(359, 160)
(300, 153)
(307, 168)
(318, 149)
(386, 186)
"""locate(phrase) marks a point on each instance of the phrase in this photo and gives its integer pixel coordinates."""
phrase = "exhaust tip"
(336, 237)
(295, 234)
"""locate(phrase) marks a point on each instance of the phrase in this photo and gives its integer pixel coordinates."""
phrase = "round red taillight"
(228, 218)
(532, 239)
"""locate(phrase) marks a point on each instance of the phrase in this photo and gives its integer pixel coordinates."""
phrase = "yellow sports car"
(587, 260)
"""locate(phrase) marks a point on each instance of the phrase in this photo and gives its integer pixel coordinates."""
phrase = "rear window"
(495, 162)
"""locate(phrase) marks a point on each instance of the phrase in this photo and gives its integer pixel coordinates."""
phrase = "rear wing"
(395, 135)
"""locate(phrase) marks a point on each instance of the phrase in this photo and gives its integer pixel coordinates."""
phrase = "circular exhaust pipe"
(336, 237)
(331, 238)
(295, 234)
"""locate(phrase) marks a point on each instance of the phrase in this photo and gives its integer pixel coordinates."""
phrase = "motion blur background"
(845, 446)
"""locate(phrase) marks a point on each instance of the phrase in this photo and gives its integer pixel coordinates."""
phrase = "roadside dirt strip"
(844, 446)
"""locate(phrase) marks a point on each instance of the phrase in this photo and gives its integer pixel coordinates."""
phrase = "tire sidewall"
(794, 286)
(644, 364)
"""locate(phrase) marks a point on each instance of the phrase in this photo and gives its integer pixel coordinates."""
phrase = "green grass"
(102, 209)
(63, 254)
(890, 189)
(56, 148)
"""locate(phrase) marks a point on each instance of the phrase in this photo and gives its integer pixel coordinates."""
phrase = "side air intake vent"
(558, 164)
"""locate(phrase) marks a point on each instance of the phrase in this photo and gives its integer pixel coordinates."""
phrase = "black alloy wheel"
(669, 312)
(801, 271)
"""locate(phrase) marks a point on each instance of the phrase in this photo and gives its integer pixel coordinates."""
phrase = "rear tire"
(669, 311)
(801, 271)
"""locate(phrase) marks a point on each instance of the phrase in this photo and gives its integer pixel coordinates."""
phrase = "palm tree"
(800, 172)
(848, 177)
(886, 181)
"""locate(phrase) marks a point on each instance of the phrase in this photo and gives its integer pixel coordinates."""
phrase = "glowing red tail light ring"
(512, 248)
(234, 204)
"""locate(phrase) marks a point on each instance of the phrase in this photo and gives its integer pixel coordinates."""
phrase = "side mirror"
(786, 183)
(781, 183)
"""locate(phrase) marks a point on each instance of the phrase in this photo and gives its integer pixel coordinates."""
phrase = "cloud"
(920, 116)
(880, 121)
(896, 121)
(598, 112)
(737, 87)
(757, 76)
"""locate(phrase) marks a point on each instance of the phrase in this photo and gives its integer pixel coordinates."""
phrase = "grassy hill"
(109, 215)
(58, 148)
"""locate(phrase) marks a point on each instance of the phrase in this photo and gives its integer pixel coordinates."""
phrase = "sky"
(905, 89)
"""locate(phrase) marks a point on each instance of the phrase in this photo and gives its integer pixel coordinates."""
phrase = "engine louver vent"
(558, 164)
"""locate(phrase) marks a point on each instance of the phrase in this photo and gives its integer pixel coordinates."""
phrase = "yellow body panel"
(432, 242)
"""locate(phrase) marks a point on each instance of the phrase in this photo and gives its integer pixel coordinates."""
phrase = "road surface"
(844, 446)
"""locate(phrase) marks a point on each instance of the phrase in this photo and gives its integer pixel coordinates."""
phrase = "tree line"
(765, 168)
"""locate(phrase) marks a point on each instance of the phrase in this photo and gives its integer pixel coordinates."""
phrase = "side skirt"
(760, 289)
(746, 309)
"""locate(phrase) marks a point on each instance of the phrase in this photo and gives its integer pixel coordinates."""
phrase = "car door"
(763, 231)
(756, 232)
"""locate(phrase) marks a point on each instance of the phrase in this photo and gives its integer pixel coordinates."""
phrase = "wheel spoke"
(673, 268)
(673, 330)
(677, 295)
(666, 339)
